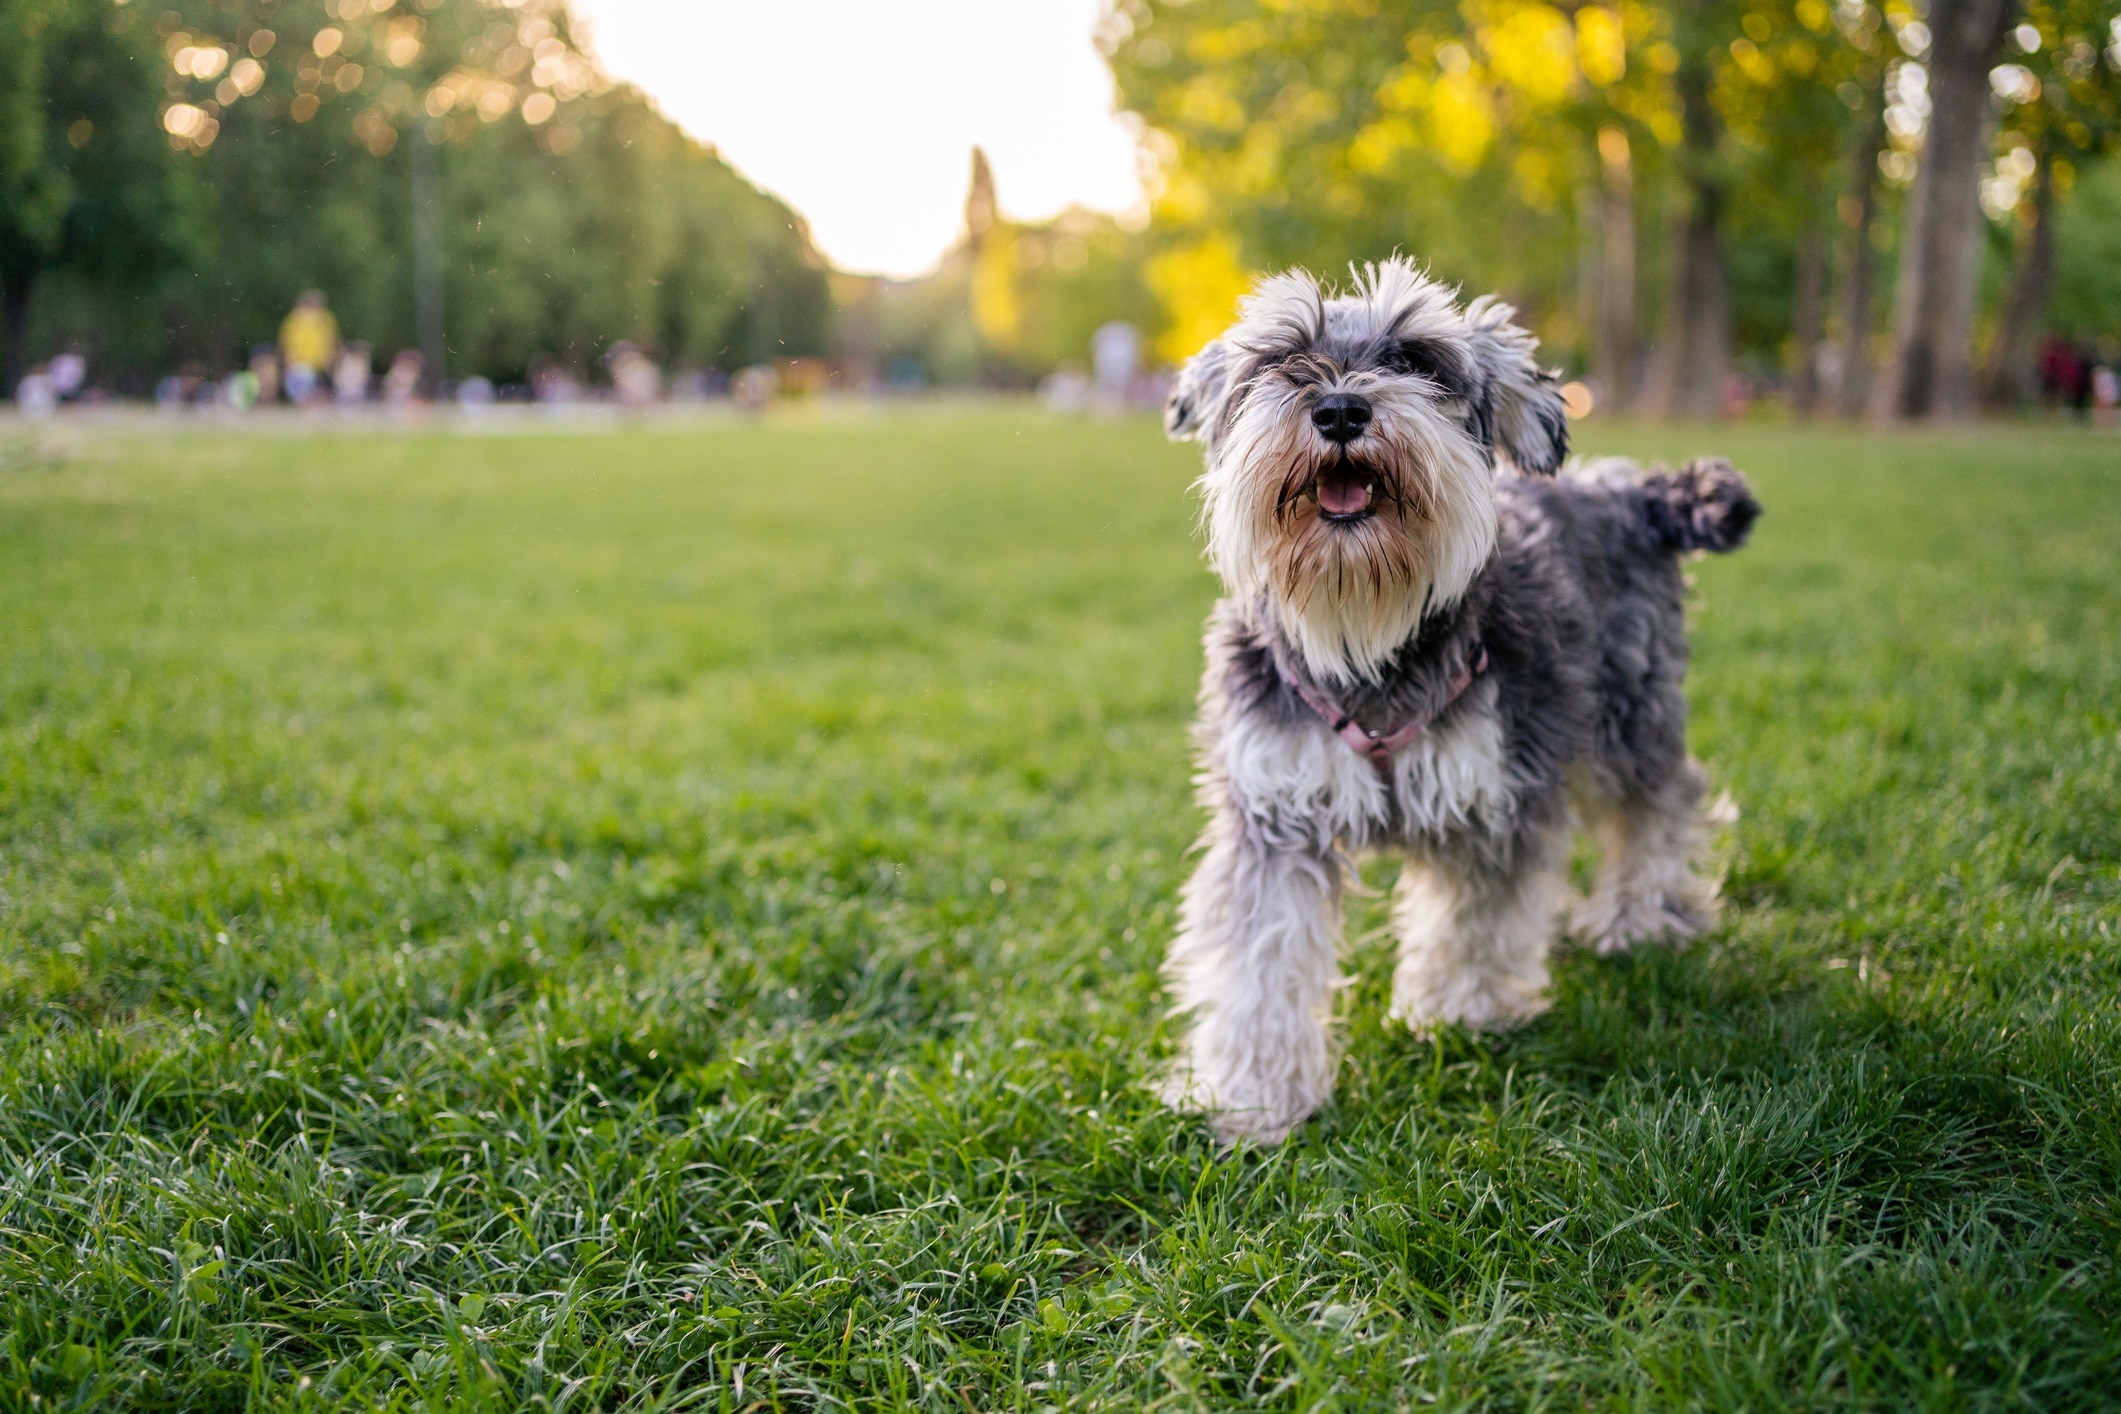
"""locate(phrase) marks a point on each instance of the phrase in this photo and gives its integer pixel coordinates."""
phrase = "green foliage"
(2073, 109)
(1036, 292)
(671, 918)
(87, 185)
(1304, 147)
(1069, 277)
(1003, 311)
(574, 214)
(33, 198)
(133, 210)
(1468, 132)
(2087, 297)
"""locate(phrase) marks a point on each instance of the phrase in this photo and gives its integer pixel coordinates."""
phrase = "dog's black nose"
(1341, 417)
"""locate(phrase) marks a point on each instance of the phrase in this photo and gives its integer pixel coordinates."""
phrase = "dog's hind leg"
(1652, 884)
(1254, 967)
(1473, 937)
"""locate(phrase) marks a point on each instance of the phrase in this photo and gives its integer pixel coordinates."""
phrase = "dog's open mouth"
(1346, 490)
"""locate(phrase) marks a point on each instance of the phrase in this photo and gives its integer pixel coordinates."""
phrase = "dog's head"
(1352, 440)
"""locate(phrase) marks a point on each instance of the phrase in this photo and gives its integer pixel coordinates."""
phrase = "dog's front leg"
(1253, 967)
(1474, 930)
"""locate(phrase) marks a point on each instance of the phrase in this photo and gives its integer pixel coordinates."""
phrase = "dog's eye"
(1422, 361)
(1298, 370)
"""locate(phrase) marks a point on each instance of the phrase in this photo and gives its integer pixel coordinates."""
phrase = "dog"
(1434, 639)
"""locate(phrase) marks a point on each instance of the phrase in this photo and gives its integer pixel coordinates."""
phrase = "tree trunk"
(1694, 345)
(1859, 209)
(1809, 318)
(1590, 285)
(2008, 381)
(1617, 275)
(428, 327)
(1931, 370)
(14, 329)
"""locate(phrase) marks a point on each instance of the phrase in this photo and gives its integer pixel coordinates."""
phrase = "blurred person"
(553, 383)
(351, 374)
(242, 390)
(2105, 386)
(2079, 392)
(177, 389)
(309, 341)
(1829, 362)
(36, 395)
(907, 375)
(1737, 396)
(401, 385)
(755, 387)
(804, 377)
(2058, 370)
(265, 367)
(635, 379)
(475, 392)
(1115, 353)
(69, 371)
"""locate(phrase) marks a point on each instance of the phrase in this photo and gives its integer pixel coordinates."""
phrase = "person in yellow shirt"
(309, 340)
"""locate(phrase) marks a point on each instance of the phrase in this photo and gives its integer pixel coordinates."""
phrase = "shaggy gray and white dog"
(1435, 640)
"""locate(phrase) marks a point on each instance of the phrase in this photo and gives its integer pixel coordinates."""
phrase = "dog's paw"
(1235, 1128)
(1610, 923)
(1238, 1109)
(1482, 1002)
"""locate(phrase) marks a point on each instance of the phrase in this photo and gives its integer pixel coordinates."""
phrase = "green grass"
(670, 919)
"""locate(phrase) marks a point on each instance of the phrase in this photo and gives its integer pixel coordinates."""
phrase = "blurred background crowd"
(1704, 207)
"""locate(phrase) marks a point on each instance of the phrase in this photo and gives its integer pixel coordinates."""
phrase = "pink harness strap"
(1378, 747)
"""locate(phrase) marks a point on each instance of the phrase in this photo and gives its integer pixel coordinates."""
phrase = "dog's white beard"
(1347, 596)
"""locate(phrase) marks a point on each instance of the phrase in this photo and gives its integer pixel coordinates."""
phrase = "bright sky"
(862, 114)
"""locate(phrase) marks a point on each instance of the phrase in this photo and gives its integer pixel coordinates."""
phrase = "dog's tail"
(1705, 505)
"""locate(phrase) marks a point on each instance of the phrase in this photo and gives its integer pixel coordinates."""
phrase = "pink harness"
(1378, 747)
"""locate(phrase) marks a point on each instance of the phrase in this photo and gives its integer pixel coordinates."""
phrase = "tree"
(1731, 178)
(1694, 345)
(87, 184)
(1798, 96)
(2061, 103)
(571, 213)
(1596, 162)
(2087, 297)
(1009, 303)
(1489, 139)
(1857, 208)
(1930, 373)
(33, 195)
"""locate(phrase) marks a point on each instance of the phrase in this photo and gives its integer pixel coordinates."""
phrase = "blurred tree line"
(1880, 205)
(1879, 202)
(1013, 300)
(174, 172)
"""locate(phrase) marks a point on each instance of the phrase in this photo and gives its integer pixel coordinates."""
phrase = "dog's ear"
(1524, 401)
(1197, 397)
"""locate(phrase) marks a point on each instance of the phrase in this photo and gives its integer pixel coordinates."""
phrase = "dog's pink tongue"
(1340, 494)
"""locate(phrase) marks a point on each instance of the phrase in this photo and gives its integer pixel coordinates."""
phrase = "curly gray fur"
(1563, 584)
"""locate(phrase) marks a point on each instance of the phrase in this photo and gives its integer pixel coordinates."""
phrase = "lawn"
(669, 918)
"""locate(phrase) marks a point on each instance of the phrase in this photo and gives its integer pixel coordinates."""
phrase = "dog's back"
(1623, 533)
